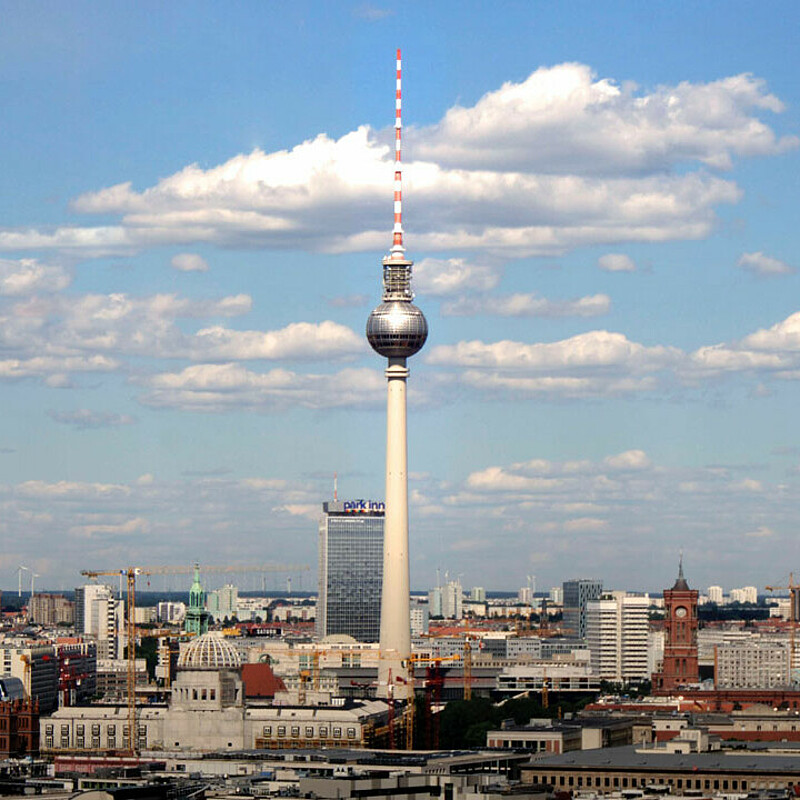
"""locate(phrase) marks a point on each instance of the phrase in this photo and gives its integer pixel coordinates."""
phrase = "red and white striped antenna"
(398, 250)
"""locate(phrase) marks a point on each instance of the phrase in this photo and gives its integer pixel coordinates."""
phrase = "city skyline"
(604, 244)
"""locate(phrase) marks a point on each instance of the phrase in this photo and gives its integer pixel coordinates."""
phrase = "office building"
(36, 666)
(351, 569)
(101, 616)
(715, 595)
(576, 594)
(754, 665)
(616, 634)
(223, 603)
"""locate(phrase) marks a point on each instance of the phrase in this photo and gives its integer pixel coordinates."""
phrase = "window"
(80, 730)
(111, 729)
(48, 729)
(323, 732)
(295, 731)
(351, 733)
(95, 730)
(309, 732)
(96, 742)
(267, 731)
(281, 730)
(337, 733)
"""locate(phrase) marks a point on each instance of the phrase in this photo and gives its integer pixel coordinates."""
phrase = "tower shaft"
(395, 643)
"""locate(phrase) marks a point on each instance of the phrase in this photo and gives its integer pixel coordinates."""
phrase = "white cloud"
(528, 305)
(616, 262)
(27, 276)
(558, 161)
(86, 419)
(134, 525)
(595, 349)
(629, 460)
(562, 119)
(66, 490)
(189, 262)
(761, 264)
(435, 277)
(761, 532)
(53, 337)
(217, 387)
(299, 340)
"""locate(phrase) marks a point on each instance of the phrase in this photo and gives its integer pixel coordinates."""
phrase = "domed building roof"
(209, 651)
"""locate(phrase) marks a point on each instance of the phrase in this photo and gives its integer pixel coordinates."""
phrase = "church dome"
(211, 652)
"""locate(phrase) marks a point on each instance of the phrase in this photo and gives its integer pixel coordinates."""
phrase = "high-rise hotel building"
(350, 569)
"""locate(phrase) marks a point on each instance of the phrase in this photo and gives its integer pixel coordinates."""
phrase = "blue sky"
(600, 199)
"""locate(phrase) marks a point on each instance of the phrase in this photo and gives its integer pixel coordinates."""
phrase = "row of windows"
(294, 732)
(723, 784)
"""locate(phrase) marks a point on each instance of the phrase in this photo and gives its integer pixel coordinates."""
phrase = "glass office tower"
(350, 569)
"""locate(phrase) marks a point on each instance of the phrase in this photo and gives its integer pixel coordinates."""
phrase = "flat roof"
(632, 758)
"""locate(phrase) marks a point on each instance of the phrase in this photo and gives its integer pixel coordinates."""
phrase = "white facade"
(715, 595)
(477, 594)
(616, 633)
(755, 665)
(171, 612)
(101, 616)
(419, 619)
(557, 595)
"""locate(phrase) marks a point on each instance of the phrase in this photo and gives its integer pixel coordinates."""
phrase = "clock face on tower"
(680, 612)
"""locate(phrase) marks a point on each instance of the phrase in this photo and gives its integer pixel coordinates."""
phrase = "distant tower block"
(396, 329)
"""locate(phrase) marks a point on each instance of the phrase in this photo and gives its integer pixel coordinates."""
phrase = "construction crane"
(131, 573)
(413, 660)
(793, 595)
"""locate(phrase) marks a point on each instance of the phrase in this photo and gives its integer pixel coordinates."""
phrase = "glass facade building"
(350, 570)
(577, 593)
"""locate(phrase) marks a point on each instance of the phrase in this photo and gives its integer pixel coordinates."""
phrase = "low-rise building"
(208, 711)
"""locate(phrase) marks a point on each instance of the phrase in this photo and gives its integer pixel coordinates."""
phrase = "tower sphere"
(397, 329)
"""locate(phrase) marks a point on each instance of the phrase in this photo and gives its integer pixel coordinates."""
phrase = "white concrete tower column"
(395, 597)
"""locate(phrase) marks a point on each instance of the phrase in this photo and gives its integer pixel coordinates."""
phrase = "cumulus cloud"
(218, 387)
(136, 525)
(616, 262)
(563, 119)
(527, 305)
(436, 277)
(597, 349)
(27, 276)
(55, 336)
(761, 264)
(86, 419)
(189, 262)
(560, 160)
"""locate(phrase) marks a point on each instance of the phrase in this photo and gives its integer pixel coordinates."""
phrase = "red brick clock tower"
(680, 645)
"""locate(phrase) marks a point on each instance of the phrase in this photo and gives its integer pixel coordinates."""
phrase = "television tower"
(396, 329)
